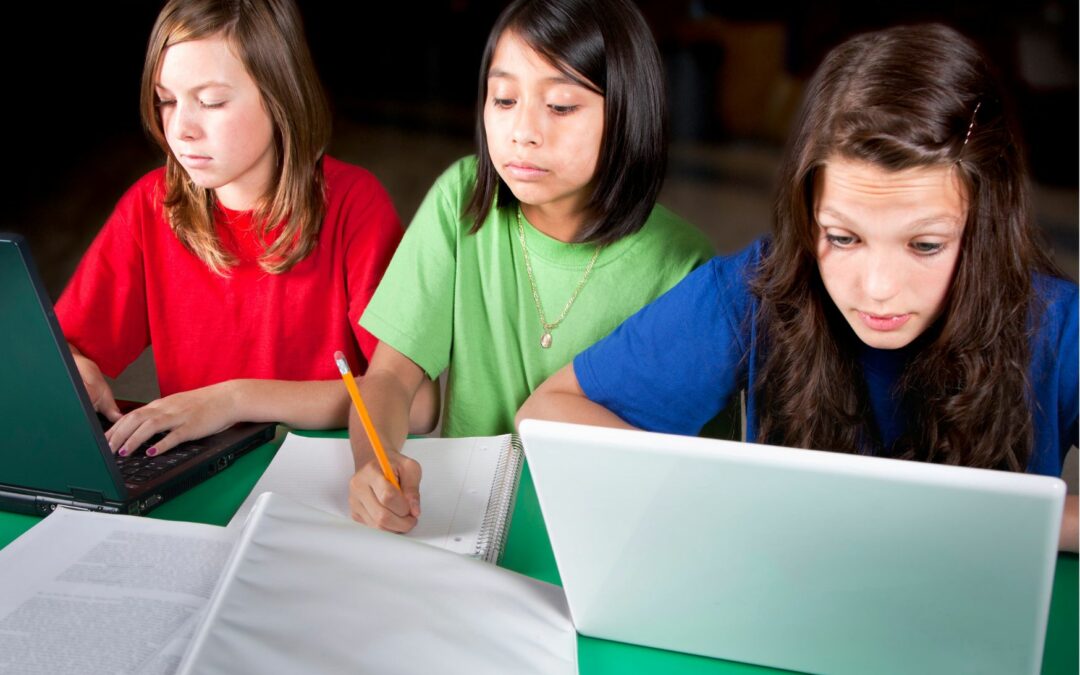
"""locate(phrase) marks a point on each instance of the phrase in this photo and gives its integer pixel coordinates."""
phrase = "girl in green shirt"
(532, 250)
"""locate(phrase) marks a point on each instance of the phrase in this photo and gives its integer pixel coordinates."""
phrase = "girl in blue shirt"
(903, 306)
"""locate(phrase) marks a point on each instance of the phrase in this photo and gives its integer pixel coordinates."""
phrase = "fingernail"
(150, 452)
(123, 452)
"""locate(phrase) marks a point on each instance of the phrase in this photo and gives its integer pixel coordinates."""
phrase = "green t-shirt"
(463, 301)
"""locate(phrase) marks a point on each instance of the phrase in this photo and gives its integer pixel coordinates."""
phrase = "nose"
(882, 277)
(526, 129)
(181, 122)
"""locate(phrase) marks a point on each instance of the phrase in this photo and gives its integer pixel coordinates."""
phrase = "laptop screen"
(52, 439)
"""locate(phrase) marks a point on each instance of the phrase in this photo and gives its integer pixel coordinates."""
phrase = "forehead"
(844, 183)
(197, 62)
(514, 59)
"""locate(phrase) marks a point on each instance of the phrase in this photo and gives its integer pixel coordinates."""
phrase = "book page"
(361, 600)
(93, 593)
(454, 490)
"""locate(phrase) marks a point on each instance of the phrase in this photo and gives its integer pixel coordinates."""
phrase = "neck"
(564, 224)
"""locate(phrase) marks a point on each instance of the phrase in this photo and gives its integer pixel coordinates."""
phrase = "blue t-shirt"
(672, 366)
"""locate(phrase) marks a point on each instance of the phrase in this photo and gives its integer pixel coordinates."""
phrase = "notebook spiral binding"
(500, 506)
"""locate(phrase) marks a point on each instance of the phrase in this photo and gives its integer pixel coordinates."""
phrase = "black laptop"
(52, 443)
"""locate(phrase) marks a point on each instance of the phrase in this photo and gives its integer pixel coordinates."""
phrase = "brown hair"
(899, 98)
(268, 38)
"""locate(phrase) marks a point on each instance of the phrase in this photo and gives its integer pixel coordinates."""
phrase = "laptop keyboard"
(138, 468)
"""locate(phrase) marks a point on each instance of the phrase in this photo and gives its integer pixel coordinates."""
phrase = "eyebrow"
(943, 218)
(554, 79)
(204, 85)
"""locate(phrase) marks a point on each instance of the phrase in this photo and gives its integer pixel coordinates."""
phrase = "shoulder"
(677, 233)
(1055, 311)
(736, 271)
(457, 181)
(148, 190)
(443, 208)
(344, 179)
(1054, 292)
(141, 208)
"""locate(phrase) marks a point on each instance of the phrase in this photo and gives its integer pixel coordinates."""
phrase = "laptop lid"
(53, 449)
(797, 559)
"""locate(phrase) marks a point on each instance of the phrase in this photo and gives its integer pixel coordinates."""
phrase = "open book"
(466, 494)
(297, 591)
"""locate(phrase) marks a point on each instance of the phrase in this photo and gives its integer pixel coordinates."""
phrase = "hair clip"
(972, 125)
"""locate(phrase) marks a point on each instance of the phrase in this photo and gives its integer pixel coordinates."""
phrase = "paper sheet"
(457, 475)
(93, 593)
(305, 591)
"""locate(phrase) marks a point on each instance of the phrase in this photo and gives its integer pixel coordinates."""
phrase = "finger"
(409, 474)
(384, 504)
(170, 441)
(120, 431)
(146, 428)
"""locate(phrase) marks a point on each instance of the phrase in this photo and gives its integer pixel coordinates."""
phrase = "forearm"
(1069, 525)
(561, 398)
(388, 404)
(303, 405)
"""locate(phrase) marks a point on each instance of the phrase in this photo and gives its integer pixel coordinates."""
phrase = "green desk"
(529, 552)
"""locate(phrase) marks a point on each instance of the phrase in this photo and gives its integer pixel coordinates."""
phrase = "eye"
(563, 109)
(165, 102)
(503, 102)
(927, 248)
(211, 105)
(841, 240)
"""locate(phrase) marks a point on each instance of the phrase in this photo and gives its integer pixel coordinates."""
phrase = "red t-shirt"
(138, 285)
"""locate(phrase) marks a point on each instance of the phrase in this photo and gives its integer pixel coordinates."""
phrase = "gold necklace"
(545, 339)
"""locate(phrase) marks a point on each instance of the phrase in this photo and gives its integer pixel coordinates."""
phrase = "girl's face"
(215, 122)
(888, 245)
(543, 129)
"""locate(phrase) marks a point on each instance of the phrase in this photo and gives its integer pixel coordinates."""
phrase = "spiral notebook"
(467, 493)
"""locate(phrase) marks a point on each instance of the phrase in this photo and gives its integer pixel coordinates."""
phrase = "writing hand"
(374, 501)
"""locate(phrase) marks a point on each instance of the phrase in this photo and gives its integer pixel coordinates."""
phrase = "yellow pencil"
(365, 419)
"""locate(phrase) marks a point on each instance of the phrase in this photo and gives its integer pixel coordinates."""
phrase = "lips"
(524, 170)
(195, 161)
(884, 322)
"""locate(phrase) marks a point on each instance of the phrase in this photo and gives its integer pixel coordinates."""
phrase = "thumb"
(409, 477)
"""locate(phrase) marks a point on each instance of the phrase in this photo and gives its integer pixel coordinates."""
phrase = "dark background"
(74, 142)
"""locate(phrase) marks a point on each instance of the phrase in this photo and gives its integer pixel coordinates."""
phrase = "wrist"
(237, 398)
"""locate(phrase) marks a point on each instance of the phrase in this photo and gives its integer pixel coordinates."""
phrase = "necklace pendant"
(545, 340)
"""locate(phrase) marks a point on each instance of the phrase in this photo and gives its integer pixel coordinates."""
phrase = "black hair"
(606, 47)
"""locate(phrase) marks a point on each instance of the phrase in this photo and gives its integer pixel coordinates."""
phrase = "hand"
(375, 501)
(185, 416)
(101, 396)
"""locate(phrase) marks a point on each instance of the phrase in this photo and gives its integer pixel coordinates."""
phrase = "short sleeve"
(413, 308)
(673, 366)
(372, 233)
(103, 311)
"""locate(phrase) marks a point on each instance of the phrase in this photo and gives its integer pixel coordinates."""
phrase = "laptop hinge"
(84, 495)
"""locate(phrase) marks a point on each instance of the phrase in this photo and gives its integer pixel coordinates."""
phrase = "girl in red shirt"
(247, 260)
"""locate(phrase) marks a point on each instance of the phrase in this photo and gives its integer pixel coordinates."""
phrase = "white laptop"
(810, 561)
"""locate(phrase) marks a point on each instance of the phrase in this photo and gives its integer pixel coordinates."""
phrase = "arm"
(389, 390)
(1069, 527)
(200, 412)
(97, 388)
(561, 398)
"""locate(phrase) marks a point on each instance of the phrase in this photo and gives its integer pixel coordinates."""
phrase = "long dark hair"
(608, 43)
(906, 97)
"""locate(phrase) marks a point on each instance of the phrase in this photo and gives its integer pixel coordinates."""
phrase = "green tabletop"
(528, 551)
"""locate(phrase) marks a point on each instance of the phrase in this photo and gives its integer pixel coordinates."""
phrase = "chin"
(883, 340)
